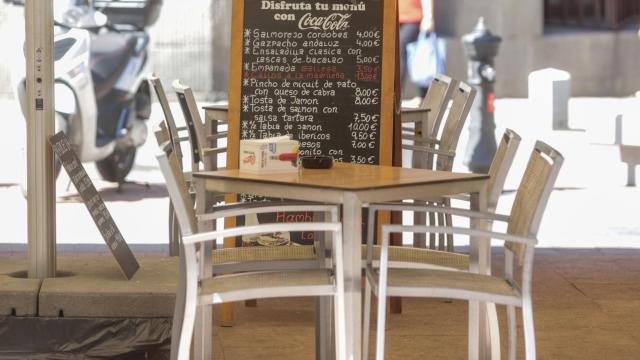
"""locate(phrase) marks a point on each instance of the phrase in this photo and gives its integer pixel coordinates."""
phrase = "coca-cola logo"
(335, 21)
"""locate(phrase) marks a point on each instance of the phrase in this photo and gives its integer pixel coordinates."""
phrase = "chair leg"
(185, 312)
(419, 218)
(382, 317)
(178, 313)
(174, 233)
(323, 326)
(366, 320)
(493, 327)
(513, 335)
(204, 317)
(340, 320)
(442, 238)
(448, 222)
(529, 331)
(432, 236)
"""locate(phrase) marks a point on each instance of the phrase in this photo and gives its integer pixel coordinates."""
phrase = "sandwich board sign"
(94, 203)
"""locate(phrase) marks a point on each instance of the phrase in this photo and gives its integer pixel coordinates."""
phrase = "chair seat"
(249, 285)
(449, 284)
(420, 256)
(263, 253)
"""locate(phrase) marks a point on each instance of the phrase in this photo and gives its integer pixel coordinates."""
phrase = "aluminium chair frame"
(520, 240)
(201, 152)
(408, 257)
(193, 279)
(440, 150)
(435, 104)
(240, 259)
(171, 133)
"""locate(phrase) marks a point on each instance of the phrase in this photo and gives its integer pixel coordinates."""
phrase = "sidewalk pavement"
(590, 206)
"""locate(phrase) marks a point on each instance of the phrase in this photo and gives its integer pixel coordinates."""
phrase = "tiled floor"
(586, 305)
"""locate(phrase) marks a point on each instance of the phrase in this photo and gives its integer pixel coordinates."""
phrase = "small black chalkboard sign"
(93, 201)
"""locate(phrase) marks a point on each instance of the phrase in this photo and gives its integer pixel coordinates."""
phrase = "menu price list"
(313, 70)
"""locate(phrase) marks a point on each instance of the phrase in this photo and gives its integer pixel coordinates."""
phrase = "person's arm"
(428, 20)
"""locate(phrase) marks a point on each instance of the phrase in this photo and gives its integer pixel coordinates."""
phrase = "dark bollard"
(481, 47)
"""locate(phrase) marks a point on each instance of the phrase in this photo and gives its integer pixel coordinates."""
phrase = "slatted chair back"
(178, 192)
(195, 127)
(437, 100)
(169, 121)
(533, 194)
(462, 100)
(500, 166)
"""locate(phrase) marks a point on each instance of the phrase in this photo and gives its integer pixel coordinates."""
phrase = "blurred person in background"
(414, 16)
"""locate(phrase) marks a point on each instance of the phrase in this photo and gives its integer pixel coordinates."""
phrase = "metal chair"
(440, 151)
(519, 242)
(201, 150)
(262, 268)
(427, 118)
(174, 130)
(415, 257)
(173, 135)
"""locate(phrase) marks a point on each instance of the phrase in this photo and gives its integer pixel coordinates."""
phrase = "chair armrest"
(483, 235)
(430, 150)
(246, 208)
(436, 209)
(462, 197)
(260, 229)
(411, 137)
(431, 140)
(210, 151)
(220, 135)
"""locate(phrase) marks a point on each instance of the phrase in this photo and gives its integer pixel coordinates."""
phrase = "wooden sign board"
(94, 203)
(321, 71)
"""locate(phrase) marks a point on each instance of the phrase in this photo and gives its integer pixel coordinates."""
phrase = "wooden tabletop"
(346, 176)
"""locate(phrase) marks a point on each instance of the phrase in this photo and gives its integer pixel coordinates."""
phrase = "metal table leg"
(203, 334)
(352, 230)
(482, 316)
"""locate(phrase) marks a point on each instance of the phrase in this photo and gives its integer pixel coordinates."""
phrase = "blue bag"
(426, 58)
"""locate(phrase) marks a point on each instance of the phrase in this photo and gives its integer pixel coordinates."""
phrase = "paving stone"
(18, 295)
(95, 287)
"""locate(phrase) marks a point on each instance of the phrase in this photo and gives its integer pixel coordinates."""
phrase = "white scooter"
(102, 98)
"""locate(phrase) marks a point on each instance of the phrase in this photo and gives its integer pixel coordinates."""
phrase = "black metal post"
(481, 47)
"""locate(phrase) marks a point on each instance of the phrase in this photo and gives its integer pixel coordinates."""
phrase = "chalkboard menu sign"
(93, 201)
(321, 71)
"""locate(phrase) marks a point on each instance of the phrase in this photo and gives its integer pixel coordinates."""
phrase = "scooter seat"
(110, 53)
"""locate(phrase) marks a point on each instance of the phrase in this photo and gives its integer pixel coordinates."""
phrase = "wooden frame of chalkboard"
(322, 71)
(270, 35)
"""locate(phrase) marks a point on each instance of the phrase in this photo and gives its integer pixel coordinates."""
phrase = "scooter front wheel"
(117, 166)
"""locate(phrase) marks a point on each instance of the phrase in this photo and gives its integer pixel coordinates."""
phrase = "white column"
(40, 126)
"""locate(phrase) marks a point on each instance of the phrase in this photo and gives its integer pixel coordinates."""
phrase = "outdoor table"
(353, 185)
